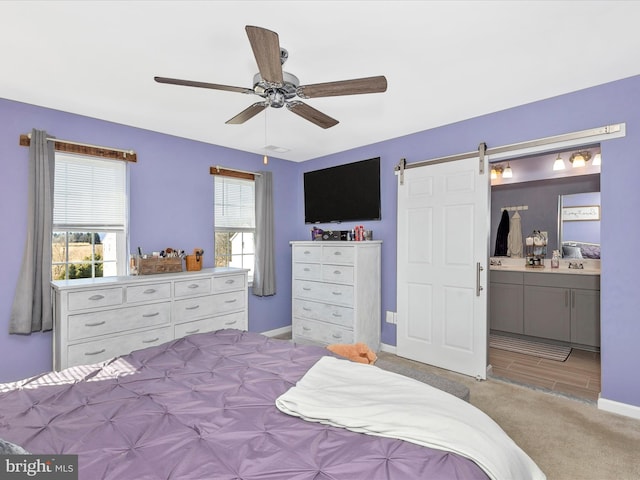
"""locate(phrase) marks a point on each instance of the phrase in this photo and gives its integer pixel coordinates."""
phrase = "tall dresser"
(336, 292)
(99, 318)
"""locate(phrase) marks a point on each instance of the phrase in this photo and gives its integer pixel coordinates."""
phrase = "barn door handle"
(478, 286)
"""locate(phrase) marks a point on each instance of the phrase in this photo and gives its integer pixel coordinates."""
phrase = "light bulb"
(578, 161)
(265, 159)
(559, 163)
(597, 160)
(494, 174)
(507, 173)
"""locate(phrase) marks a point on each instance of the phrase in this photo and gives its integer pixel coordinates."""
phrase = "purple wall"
(171, 205)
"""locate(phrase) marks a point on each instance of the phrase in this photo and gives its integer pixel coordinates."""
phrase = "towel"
(358, 352)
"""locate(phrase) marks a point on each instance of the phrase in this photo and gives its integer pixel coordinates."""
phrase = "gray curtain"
(264, 275)
(31, 309)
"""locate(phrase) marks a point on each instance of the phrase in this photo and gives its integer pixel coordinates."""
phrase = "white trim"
(625, 409)
(277, 331)
(385, 347)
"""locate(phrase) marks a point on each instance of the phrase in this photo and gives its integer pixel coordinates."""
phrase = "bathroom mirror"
(579, 225)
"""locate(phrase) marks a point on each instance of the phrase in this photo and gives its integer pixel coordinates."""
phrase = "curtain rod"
(218, 169)
(87, 145)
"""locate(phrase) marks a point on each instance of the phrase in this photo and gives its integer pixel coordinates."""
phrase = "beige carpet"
(568, 439)
(558, 353)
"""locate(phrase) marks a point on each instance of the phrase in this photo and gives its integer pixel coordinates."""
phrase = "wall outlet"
(392, 317)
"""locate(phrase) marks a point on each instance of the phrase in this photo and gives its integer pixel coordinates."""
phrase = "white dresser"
(336, 292)
(99, 318)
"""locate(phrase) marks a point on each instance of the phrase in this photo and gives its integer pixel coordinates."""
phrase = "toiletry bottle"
(555, 259)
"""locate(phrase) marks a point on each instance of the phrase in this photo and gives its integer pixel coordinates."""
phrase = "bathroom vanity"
(560, 304)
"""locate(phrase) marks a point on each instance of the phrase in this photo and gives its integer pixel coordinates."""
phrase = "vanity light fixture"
(559, 163)
(496, 171)
(580, 159)
(508, 173)
(597, 159)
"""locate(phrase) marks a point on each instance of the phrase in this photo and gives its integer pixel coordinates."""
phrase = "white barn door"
(443, 221)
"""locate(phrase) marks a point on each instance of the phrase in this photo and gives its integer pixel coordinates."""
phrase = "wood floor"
(578, 376)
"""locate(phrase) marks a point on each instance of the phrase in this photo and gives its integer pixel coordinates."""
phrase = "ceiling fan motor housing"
(276, 94)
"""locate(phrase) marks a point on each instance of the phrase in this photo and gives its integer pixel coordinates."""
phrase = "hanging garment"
(502, 235)
(514, 239)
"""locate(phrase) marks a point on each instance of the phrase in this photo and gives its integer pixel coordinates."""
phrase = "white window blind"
(234, 204)
(89, 192)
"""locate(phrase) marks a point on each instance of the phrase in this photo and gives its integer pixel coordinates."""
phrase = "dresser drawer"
(307, 253)
(323, 311)
(338, 254)
(228, 283)
(324, 292)
(86, 325)
(337, 273)
(321, 332)
(307, 271)
(229, 302)
(196, 286)
(98, 298)
(100, 350)
(196, 307)
(143, 293)
(232, 320)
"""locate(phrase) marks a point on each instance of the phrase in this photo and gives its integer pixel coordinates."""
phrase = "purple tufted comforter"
(203, 407)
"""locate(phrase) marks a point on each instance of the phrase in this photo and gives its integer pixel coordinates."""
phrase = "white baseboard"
(625, 409)
(388, 348)
(277, 331)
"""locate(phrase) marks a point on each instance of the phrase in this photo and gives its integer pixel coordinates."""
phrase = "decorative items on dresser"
(336, 292)
(100, 318)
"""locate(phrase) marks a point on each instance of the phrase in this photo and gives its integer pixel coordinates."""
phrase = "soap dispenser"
(555, 259)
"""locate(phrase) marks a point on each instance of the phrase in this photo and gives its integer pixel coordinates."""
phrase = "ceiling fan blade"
(248, 113)
(191, 83)
(266, 48)
(311, 114)
(344, 87)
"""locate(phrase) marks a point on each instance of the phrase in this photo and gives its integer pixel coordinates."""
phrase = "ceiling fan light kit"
(279, 88)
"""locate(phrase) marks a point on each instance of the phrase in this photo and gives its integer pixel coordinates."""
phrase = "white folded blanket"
(366, 399)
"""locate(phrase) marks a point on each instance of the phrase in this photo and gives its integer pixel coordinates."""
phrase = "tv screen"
(343, 193)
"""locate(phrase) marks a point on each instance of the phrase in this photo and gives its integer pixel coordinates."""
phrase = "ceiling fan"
(279, 88)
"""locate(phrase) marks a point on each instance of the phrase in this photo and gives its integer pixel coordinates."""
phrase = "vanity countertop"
(590, 267)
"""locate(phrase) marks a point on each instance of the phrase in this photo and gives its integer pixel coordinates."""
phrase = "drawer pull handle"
(95, 324)
(194, 307)
(229, 282)
(337, 315)
(230, 323)
(337, 253)
(149, 315)
(337, 272)
(337, 293)
(306, 309)
(153, 340)
(231, 301)
(336, 335)
(306, 289)
(307, 269)
(189, 332)
(96, 297)
(149, 291)
(94, 353)
(306, 329)
(193, 285)
(307, 252)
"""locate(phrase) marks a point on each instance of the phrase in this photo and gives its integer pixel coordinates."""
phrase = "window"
(234, 222)
(89, 217)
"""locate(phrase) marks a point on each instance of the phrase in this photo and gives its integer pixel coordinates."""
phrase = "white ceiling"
(444, 61)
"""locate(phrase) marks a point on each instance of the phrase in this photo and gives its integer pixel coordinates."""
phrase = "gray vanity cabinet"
(506, 311)
(547, 313)
(556, 306)
(563, 307)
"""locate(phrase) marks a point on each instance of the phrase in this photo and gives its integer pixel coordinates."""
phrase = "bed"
(204, 407)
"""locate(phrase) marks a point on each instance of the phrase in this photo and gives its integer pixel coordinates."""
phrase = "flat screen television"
(343, 193)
